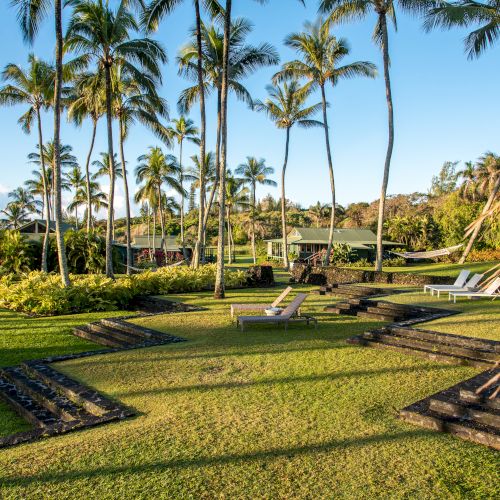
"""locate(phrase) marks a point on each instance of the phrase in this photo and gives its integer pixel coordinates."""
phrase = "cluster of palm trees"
(110, 72)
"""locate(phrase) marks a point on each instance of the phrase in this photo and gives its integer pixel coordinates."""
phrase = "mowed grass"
(259, 414)
(440, 269)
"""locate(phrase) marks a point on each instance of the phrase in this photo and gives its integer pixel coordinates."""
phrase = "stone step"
(338, 310)
(25, 406)
(482, 399)
(462, 410)
(431, 346)
(423, 353)
(142, 331)
(389, 312)
(419, 414)
(79, 394)
(44, 395)
(447, 338)
(359, 302)
(120, 335)
(400, 308)
(364, 290)
(378, 316)
(99, 338)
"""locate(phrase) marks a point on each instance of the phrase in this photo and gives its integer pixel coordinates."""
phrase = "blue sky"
(445, 108)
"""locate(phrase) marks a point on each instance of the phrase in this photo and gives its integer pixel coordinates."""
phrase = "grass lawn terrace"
(259, 414)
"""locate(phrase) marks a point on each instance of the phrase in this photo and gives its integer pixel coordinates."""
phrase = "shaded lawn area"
(259, 414)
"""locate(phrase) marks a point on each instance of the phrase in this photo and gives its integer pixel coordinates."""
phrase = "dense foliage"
(43, 294)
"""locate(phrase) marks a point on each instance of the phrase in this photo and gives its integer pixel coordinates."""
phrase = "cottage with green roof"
(306, 242)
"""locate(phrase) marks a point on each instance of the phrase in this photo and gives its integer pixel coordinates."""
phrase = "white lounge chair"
(489, 292)
(290, 313)
(470, 285)
(459, 283)
(260, 307)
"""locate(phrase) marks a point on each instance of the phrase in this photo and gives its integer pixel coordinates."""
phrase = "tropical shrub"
(43, 294)
(484, 255)
(394, 262)
(16, 253)
(342, 254)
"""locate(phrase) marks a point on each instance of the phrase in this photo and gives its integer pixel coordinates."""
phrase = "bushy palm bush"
(16, 252)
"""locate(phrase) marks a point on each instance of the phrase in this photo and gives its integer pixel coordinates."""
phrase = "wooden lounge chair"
(290, 313)
(459, 283)
(260, 307)
(489, 292)
(470, 285)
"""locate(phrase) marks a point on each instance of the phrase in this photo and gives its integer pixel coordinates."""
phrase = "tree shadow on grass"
(281, 380)
(266, 455)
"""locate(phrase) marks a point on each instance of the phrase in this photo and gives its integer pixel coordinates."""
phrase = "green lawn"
(263, 414)
(440, 269)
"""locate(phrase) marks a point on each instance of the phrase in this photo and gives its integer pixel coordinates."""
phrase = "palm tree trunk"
(390, 144)
(87, 176)
(183, 244)
(254, 250)
(61, 250)
(229, 238)
(76, 217)
(197, 249)
(219, 292)
(162, 221)
(127, 202)
(153, 253)
(111, 196)
(332, 177)
(208, 207)
(286, 264)
(46, 205)
(473, 236)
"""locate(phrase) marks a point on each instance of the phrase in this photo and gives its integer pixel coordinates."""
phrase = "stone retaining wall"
(304, 273)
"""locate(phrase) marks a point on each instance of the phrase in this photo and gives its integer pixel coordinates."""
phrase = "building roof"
(31, 226)
(356, 238)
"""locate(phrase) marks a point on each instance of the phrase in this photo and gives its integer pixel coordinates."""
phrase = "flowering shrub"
(43, 294)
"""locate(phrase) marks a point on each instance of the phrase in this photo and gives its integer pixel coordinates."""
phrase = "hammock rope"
(428, 255)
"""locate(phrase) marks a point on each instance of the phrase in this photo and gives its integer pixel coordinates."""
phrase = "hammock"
(141, 270)
(428, 255)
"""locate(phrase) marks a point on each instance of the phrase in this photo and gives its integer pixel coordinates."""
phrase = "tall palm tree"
(286, 107)
(465, 13)
(255, 172)
(468, 188)
(34, 87)
(76, 180)
(153, 14)
(244, 59)
(488, 180)
(341, 11)
(30, 14)
(155, 170)
(183, 129)
(321, 55)
(135, 100)
(236, 198)
(87, 101)
(103, 36)
(318, 213)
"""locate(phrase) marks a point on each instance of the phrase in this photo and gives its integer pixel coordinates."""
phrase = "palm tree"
(318, 213)
(243, 60)
(236, 198)
(488, 179)
(98, 199)
(156, 169)
(286, 107)
(76, 180)
(152, 16)
(16, 215)
(255, 172)
(30, 15)
(135, 100)
(35, 88)
(321, 55)
(183, 130)
(48, 157)
(468, 188)
(87, 101)
(102, 35)
(25, 199)
(464, 13)
(348, 10)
